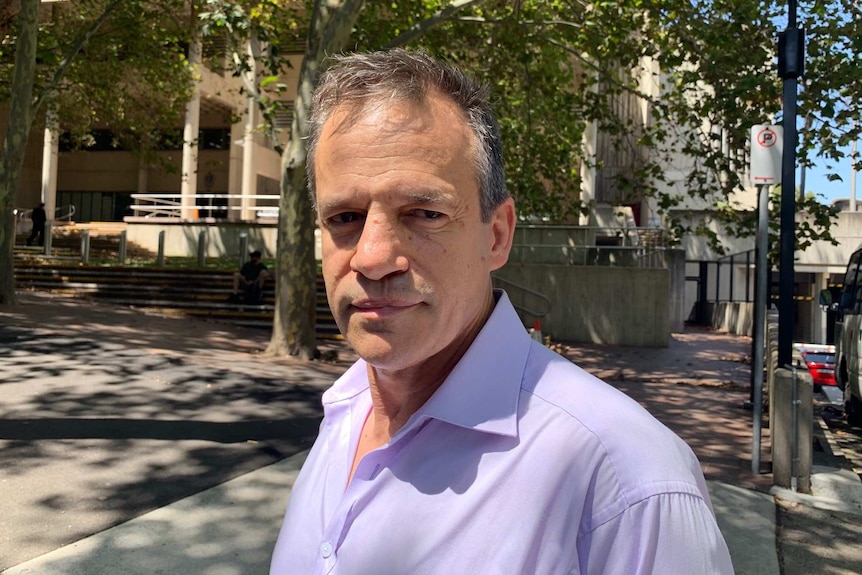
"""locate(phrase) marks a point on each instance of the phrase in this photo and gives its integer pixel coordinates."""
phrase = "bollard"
(202, 249)
(48, 231)
(160, 257)
(122, 249)
(243, 248)
(85, 246)
(792, 429)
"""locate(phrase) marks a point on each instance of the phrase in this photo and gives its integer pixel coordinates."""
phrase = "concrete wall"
(733, 317)
(222, 239)
(597, 304)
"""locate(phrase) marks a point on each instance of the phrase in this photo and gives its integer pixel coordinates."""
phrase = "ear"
(502, 231)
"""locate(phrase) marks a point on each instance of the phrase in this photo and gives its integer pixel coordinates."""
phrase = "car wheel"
(853, 409)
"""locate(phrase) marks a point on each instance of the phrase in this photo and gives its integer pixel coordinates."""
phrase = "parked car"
(821, 364)
(848, 327)
(820, 360)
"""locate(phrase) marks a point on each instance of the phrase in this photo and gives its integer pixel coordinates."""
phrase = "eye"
(428, 214)
(345, 218)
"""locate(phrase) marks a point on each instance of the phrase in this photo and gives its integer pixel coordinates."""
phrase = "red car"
(821, 364)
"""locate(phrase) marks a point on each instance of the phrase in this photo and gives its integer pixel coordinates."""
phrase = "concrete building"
(223, 167)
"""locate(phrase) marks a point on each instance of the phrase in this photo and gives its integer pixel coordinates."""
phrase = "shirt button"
(326, 549)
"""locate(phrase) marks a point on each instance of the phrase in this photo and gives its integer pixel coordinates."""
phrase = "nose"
(380, 251)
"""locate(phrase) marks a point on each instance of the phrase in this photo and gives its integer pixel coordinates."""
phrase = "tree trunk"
(293, 331)
(17, 132)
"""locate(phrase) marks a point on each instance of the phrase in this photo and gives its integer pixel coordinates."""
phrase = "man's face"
(406, 256)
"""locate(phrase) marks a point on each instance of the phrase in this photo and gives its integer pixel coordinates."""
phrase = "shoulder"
(631, 455)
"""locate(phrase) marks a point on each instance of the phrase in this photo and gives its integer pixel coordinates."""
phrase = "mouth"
(378, 308)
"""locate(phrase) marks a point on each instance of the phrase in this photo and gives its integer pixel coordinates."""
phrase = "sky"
(816, 181)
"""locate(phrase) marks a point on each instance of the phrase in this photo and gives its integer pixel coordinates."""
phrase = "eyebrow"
(411, 197)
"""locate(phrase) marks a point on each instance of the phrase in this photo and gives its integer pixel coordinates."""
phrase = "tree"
(330, 26)
(20, 119)
(125, 72)
(660, 81)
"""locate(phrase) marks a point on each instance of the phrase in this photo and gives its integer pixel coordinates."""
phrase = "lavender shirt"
(520, 463)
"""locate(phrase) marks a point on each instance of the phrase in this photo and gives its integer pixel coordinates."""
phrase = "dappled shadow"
(697, 386)
(817, 541)
(714, 422)
(106, 414)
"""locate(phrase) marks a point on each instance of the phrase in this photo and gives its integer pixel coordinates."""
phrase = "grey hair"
(367, 79)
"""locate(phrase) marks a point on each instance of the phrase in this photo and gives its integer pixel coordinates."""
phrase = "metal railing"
(22, 216)
(206, 205)
(545, 301)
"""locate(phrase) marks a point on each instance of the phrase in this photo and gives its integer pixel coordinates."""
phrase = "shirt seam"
(641, 500)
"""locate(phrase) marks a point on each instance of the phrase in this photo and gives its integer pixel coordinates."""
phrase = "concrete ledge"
(832, 489)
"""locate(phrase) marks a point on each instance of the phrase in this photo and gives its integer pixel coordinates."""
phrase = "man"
(457, 444)
(250, 279)
(38, 217)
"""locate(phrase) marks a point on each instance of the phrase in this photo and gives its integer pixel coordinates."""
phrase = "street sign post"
(767, 144)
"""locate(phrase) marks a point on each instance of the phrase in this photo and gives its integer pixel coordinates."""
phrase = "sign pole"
(764, 171)
(760, 285)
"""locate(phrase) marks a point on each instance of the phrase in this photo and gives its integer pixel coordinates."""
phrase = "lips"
(381, 307)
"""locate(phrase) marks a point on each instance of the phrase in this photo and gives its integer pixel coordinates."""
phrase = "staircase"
(104, 242)
(185, 292)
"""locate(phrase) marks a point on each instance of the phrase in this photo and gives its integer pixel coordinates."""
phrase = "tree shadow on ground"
(99, 424)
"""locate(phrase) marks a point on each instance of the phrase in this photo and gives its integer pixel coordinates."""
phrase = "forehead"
(396, 140)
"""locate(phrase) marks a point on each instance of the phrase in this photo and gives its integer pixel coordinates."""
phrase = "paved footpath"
(138, 444)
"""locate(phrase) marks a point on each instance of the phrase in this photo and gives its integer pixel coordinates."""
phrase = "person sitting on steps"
(250, 279)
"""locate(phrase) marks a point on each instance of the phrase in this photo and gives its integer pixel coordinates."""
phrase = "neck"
(397, 394)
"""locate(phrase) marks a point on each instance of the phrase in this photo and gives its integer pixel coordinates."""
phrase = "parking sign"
(767, 143)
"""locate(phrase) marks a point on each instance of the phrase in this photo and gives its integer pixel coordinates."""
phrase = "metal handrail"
(59, 214)
(171, 206)
(541, 296)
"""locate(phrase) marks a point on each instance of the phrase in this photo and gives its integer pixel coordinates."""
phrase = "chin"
(382, 352)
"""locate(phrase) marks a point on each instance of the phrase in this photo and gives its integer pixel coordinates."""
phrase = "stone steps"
(188, 292)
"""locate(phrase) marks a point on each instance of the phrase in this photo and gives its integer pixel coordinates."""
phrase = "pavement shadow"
(106, 414)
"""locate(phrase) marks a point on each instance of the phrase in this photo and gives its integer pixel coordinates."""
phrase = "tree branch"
(427, 24)
(70, 55)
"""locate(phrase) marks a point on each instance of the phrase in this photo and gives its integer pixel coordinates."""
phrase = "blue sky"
(815, 181)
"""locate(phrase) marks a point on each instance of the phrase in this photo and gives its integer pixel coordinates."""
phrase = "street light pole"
(791, 57)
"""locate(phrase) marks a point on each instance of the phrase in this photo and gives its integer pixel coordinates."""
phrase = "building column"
(191, 130)
(50, 148)
(249, 174)
(235, 173)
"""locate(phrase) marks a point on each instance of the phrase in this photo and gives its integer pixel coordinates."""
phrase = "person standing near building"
(38, 217)
(457, 444)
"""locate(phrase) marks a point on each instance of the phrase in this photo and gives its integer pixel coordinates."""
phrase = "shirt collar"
(482, 390)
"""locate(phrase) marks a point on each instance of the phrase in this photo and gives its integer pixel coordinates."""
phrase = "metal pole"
(762, 270)
(794, 431)
(748, 276)
(853, 172)
(732, 279)
(85, 246)
(243, 248)
(791, 58)
(49, 227)
(122, 249)
(160, 258)
(202, 249)
(717, 282)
